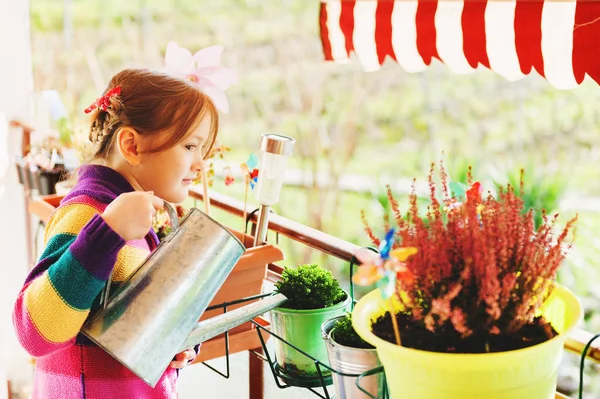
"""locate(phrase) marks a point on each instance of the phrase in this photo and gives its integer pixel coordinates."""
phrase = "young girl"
(152, 133)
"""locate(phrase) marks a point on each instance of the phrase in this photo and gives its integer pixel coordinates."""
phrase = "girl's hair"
(152, 103)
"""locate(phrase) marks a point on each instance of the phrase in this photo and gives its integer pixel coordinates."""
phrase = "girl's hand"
(183, 359)
(130, 214)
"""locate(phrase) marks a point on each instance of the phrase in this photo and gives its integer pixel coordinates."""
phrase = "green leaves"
(343, 333)
(309, 287)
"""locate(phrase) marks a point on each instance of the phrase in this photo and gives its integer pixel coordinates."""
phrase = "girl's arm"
(81, 250)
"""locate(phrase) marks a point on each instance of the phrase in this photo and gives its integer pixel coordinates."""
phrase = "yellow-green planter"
(528, 373)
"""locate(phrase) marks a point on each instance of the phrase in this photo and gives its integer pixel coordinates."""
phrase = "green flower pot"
(302, 328)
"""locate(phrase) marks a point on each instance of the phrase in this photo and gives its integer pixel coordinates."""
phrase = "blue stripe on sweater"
(75, 285)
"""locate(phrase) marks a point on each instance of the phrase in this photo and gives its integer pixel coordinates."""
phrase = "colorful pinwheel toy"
(250, 170)
(385, 269)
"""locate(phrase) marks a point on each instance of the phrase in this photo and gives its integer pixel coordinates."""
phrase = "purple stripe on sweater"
(96, 247)
(99, 182)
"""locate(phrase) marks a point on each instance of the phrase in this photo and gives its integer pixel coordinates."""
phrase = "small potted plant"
(314, 296)
(350, 354)
(475, 311)
(45, 168)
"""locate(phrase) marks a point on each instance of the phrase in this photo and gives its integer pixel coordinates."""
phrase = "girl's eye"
(191, 147)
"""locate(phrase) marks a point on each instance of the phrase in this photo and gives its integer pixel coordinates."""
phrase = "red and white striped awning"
(560, 39)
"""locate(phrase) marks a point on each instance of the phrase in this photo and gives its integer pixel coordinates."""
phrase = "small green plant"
(343, 333)
(309, 287)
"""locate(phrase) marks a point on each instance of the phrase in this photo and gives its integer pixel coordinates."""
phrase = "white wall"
(16, 83)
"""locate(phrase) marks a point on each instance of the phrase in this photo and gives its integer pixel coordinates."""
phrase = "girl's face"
(169, 173)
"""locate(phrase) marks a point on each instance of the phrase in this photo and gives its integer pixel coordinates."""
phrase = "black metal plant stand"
(282, 380)
(224, 306)
(324, 371)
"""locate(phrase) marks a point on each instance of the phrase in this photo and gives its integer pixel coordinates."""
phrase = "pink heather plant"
(481, 267)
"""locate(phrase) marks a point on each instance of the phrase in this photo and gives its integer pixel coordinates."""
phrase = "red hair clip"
(104, 102)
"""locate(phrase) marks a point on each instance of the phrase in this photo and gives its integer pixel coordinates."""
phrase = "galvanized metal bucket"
(355, 361)
(150, 317)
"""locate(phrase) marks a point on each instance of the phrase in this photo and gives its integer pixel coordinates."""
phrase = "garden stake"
(206, 195)
(394, 322)
(247, 182)
(385, 268)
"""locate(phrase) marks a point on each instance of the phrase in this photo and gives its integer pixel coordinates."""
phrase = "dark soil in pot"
(416, 336)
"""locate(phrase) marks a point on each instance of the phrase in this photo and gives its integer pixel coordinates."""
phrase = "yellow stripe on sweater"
(128, 260)
(53, 318)
(69, 219)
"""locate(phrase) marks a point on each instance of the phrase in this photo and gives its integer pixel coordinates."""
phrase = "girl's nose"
(198, 165)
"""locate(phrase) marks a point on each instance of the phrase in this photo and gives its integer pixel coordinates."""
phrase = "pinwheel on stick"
(385, 268)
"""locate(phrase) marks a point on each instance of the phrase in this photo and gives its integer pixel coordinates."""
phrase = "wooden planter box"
(245, 280)
(44, 206)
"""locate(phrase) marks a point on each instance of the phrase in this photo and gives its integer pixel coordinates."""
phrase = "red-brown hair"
(152, 103)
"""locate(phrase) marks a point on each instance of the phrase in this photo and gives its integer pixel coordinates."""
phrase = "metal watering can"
(154, 314)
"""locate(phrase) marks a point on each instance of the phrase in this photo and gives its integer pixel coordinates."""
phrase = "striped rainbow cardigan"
(58, 294)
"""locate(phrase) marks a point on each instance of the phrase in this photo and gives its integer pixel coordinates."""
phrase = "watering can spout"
(214, 326)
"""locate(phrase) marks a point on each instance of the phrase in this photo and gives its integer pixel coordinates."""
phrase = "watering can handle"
(173, 220)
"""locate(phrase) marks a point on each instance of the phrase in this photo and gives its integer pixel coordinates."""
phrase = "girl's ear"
(128, 142)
